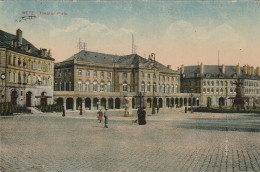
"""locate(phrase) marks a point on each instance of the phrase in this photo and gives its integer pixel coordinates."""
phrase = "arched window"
(125, 75)
(148, 87)
(208, 83)
(168, 88)
(221, 83)
(124, 86)
(221, 90)
(172, 88)
(143, 76)
(108, 86)
(101, 74)
(217, 83)
(102, 86)
(87, 73)
(79, 72)
(212, 90)
(109, 75)
(159, 88)
(204, 90)
(79, 85)
(95, 86)
(87, 86)
(204, 83)
(95, 74)
(14, 61)
(212, 83)
(163, 88)
(208, 90)
(142, 87)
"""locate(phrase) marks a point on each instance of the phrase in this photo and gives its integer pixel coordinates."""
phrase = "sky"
(178, 32)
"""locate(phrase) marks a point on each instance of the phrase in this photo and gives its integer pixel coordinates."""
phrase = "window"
(9, 76)
(172, 79)
(221, 83)
(24, 78)
(87, 73)
(204, 83)
(226, 83)
(101, 74)
(49, 67)
(79, 72)
(163, 88)
(148, 86)
(9, 60)
(159, 88)
(231, 90)
(163, 79)
(204, 90)
(109, 87)
(95, 86)
(168, 79)
(212, 90)
(154, 76)
(148, 75)
(217, 83)
(208, 83)
(14, 77)
(14, 61)
(95, 74)
(143, 76)
(48, 82)
(79, 86)
(124, 75)
(168, 88)
(109, 75)
(69, 73)
(208, 90)
(87, 86)
(172, 89)
(102, 86)
(142, 87)
(217, 91)
(155, 87)
(221, 90)
(124, 86)
(212, 83)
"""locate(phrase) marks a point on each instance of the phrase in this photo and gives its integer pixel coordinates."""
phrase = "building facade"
(96, 80)
(27, 73)
(215, 83)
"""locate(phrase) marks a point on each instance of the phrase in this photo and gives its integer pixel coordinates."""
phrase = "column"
(74, 104)
(91, 104)
(64, 104)
(106, 103)
(114, 103)
(83, 104)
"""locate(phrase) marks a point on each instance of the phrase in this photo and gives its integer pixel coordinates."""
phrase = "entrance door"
(28, 99)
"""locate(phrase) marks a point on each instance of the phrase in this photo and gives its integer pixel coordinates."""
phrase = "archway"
(149, 102)
(95, 103)
(78, 103)
(88, 103)
(198, 102)
(155, 102)
(172, 102)
(160, 103)
(69, 103)
(176, 101)
(133, 103)
(168, 102)
(14, 97)
(209, 102)
(221, 101)
(117, 105)
(185, 101)
(60, 101)
(181, 102)
(110, 103)
(103, 103)
(28, 99)
(189, 101)
(194, 102)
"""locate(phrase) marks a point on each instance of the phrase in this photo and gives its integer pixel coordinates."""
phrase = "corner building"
(27, 73)
(96, 80)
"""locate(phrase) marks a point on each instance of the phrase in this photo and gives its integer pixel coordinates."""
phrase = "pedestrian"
(142, 117)
(106, 118)
(158, 108)
(63, 111)
(100, 115)
(139, 111)
(80, 110)
(186, 109)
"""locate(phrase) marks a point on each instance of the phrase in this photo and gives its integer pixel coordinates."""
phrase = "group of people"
(100, 117)
(141, 116)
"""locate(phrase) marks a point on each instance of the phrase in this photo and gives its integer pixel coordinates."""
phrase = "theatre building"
(96, 80)
(26, 72)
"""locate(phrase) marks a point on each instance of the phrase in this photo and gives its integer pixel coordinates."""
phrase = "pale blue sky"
(178, 32)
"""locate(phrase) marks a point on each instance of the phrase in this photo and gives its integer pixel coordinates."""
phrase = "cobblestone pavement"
(169, 142)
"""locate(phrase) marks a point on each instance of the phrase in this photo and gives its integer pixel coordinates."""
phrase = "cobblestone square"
(169, 142)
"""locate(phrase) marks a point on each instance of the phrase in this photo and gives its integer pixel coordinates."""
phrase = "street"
(173, 141)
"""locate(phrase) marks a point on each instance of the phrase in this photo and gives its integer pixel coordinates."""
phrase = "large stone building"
(26, 72)
(215, 83)
(96, 80)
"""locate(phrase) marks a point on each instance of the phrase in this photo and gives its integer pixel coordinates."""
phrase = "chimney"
(201, 68)
(258, 71)
(44, 52)
(245, 69)
(238, 69)
(223, 68)
(19, 37)
(182, 69)
(169, 66)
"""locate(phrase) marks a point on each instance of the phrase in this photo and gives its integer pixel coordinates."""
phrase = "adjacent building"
(97, 80)
(27, 73)
(215, 84)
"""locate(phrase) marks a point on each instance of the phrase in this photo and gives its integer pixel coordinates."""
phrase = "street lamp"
(3, 78)
(191, 101)
(152, 57)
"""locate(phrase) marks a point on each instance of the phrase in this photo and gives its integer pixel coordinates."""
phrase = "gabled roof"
(131, 59)
(6, 42)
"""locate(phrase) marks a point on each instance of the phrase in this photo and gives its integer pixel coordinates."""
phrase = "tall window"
(143, 76)
(124, 86)
(208, 90)
(163, 78)
(9, 76)
(159, 88)
(155, 87)
(217, 91)
(231, 91)
(221, 91)
(142, 86)
(154, 76)
(204, 90)
(217, 83)
(79, 72)
(168, 78)
(172, 88)
(79, 85)
(124, 75)
(148, 75)
(109, 75)
(24, 78)
(109, 87)
(163, 88)
(148, 86)
(101, 74)
(14, 77)
(212, 90)
(208, 83)
(14, 61)
(49, 83)
(9, 60)
(221, 83)
(168, 88)
(95, 86)
(87, 73)
(102, 86)
(95, 74)
(87, 86)
(212, 83)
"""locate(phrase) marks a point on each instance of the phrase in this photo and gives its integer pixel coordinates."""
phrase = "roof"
(6, 40)
(215, 71)
(131, 59)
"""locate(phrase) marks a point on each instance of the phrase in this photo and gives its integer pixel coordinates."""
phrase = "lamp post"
(152, 57)
(3, 78)
(191, 101)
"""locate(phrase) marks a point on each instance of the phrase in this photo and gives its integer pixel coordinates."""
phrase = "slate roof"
(215, 71)
(131, 59)
(6, 42)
